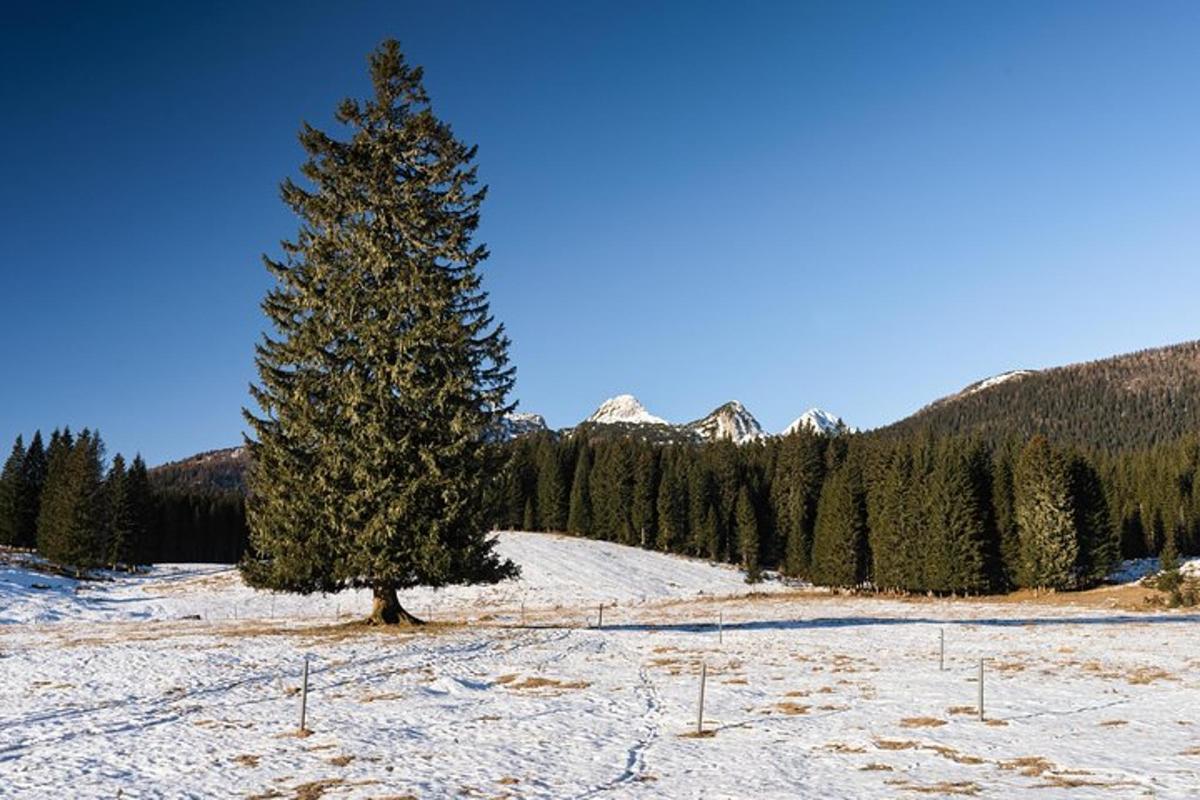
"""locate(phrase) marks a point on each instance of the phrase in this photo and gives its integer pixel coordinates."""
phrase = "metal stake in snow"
(720, 627)
(304, 698)
(600, 617)
(700, 705)
(522, 613)
(981, 690)
(942, 645)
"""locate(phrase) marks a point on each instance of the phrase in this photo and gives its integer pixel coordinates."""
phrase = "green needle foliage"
(386, 376)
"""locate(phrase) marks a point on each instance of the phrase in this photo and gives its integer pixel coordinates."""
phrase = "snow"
(1136, 570)
(809, 695)
(996, 380)
(817, 421)
(624, 408)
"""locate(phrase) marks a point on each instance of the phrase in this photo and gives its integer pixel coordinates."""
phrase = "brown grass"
(539, 682)
(842, 747)
(875, 767)
(793, 709)
(341, 761)
(962, 710)
(922, 722)
(897, 744)
(508, 780)
(944, 788)
(247, 760)
(1113, 723)
(1029, 766)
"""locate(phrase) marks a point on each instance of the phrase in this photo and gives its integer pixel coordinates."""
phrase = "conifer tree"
(118, 514)
(671, 507)
(643, 514)
(840, 550)
(958, 527)
(748, 535)
(1099, 548)
(551, 488)
(35, 478)
(579, 516)
(385, 375)
(12, 494)
(890, 523)
(1045, 518)
(141, 514)
(71, 520)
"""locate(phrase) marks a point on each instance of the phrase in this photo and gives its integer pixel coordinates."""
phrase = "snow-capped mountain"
(731, 421)
(624, 409)
(817, 421)
(520, 423)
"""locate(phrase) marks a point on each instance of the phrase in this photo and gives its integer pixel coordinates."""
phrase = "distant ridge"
(1126, 401)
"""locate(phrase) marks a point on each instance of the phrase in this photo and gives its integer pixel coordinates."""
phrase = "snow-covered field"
(113, 690)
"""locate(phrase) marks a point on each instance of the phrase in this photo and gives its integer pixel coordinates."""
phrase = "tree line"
(911, 513)
(63, 499)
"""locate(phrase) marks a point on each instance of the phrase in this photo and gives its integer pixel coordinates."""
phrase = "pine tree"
(958, 526)
(551, 488)
(840, 550)
(748, 535)
(35, 478)
(71, 520)
(1099, 547)
(579, 516)
(385, 375)
(643, 514)
(672, 507)
(12, 494)
(1045, 518)
(141, 515)
(118, 514)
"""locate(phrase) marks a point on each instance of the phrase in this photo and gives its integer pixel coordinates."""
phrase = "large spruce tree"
(385, 375)
(1049, 548)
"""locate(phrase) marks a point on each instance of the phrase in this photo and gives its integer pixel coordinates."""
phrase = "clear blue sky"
(850, 205)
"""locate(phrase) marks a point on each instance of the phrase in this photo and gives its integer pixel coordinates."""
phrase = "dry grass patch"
(246, 760)
(793, 709)
(538, 682)
(962, 710)
(1113, 723)
(842, 747)
(875, 767)
(922, 722)
(1146, 675)
(377, 696)
(944, 788)
(1029, 766)
(1191, 751)
(897, 744)
(341, 761)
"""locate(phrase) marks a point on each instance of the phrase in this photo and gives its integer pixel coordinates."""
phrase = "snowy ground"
(110, 690)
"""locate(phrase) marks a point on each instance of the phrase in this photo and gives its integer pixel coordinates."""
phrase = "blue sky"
(856, 206)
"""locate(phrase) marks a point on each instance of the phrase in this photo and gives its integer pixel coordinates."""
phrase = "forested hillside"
(1128, 401)
(898, 512)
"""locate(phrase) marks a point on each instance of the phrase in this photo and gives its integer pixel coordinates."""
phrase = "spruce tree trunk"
(387, 610)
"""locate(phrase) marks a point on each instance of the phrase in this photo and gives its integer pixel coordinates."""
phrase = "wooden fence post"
(304, 698)
(981, 690)
(700, 705)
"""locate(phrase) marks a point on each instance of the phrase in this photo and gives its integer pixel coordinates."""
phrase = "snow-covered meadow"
(118, 688)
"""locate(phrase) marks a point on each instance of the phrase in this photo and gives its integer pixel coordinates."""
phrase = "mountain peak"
(817, 421)
(729, 421)
(624, 408)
